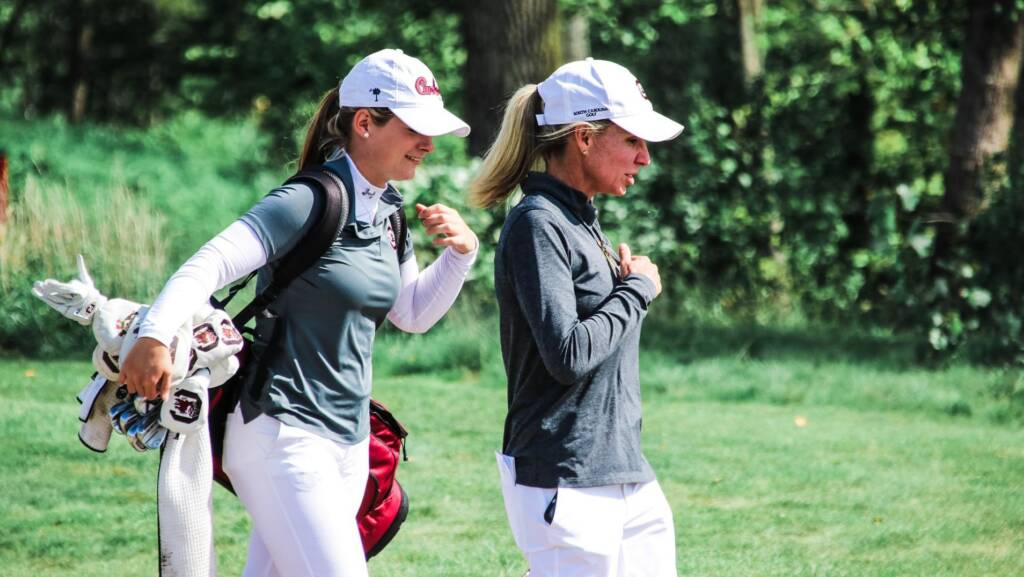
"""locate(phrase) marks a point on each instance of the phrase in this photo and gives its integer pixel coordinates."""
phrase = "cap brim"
(650, 126)
(432, 121)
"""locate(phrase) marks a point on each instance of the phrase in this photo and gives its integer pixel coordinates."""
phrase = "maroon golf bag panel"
(385, 504)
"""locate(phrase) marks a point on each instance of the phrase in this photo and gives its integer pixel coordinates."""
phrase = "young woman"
(296, 448)
(580, 497)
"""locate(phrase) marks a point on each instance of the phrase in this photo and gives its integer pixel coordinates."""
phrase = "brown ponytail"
(331, 128)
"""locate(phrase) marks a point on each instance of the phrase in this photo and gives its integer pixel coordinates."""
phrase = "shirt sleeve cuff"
(644, 285)
(151, 331)
(463, 261)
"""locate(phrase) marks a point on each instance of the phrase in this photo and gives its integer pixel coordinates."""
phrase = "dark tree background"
(856, 160)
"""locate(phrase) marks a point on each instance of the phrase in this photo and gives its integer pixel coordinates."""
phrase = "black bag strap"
(312, 246)
(401, 230)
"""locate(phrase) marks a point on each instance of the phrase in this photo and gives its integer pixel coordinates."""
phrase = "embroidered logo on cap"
(590, 112)
(427, 89)
(376, 93)
(640, 87)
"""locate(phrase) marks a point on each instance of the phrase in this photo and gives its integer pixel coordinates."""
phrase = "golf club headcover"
(106, 364)
(224, 370)
(205, 310)
(185, 409)
(76, 299)
(87, 396)
(111, 323)
(179, 346)
(96, 426)
(215, 339)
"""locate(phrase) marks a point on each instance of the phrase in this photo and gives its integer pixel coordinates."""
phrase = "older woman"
(580, 496)
(296, 448)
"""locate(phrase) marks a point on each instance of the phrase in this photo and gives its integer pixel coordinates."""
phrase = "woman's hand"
(147, 369)
(439, 219)
(629, 264)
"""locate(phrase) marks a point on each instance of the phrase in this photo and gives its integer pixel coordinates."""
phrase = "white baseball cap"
(392, 79)
(590, 89)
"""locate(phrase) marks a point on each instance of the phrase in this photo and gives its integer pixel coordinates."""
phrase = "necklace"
(613, 264)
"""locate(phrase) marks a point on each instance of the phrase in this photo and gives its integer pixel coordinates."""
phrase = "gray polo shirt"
(570, 339)
(319, 346)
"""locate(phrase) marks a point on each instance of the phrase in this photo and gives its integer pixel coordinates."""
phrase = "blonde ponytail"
(521, 146)
(513, 153)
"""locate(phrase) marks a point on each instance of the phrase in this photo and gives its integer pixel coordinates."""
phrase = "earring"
(366, 135)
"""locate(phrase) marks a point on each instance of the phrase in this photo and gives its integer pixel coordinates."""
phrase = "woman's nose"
(644, 157)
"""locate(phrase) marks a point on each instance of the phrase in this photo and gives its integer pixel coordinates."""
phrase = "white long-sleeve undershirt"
(237, 251)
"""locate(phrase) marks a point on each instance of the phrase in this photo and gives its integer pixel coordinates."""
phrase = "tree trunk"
(575, 36)
(8, 31)
(4, 188)
(509, 43)
(990, 72)
(80, 48)
(749, 19)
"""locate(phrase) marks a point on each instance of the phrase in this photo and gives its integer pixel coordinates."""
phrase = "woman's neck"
(365, 168)
(571, 173)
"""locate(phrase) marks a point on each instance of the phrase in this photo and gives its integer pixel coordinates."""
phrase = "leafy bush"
(135, 203)
(119, 236)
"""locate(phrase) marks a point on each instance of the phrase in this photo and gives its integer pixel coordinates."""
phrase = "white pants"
(303, 492)
(609, 531)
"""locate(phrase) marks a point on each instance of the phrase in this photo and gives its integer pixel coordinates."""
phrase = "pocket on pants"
(248, 442)
(525, 508)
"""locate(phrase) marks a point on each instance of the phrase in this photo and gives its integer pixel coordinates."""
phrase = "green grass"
(880, 480)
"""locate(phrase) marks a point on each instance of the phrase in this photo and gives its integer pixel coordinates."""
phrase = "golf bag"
(385, 504)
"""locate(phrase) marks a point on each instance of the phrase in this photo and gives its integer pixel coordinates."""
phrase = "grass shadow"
(689, 341)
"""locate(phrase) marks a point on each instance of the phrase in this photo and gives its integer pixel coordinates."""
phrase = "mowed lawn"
(758, 488)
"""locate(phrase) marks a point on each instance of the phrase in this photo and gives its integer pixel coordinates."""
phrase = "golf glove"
(77, 299)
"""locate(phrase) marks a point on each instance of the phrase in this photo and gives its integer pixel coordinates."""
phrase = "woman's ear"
(361, 122)
(583, 138)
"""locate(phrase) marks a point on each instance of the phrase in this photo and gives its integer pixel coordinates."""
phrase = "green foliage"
(135, 203)
(281, 56)
(813, 188)
(119, 237)
(811, 191)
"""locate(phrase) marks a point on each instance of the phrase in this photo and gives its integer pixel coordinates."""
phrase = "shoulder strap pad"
(401, 230)
(312, 246)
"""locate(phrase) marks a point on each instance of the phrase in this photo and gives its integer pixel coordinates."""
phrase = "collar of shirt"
(563, 193)
(389, 202)
(366, 194)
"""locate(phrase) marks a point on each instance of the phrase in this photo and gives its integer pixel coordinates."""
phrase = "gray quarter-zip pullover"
(570, 339)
